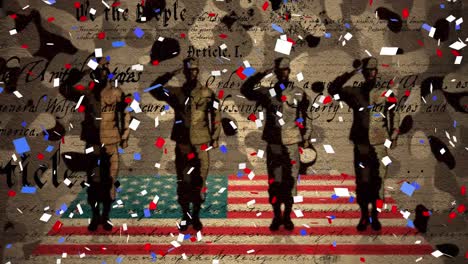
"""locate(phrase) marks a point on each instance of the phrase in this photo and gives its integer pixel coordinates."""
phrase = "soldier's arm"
(159, 93)
(68, 86)
(250, 87)
(336, 86)
(216, 118)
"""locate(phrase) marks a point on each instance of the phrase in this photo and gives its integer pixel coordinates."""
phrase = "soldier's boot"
(95, 218)
(277, 221)
(288, 224)
(105, 221)
(196, 223)
(364, 221)
(186, 221)
(376, 225)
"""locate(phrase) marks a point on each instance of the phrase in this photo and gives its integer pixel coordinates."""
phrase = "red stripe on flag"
(307, 200)
(228, 249)
(312, 214)
(302, 177)
(247, 188)
(235, 231)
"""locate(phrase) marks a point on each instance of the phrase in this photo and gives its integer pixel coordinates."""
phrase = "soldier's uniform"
(369, 131)
(105, 126)
(286, 111)
(196, 126)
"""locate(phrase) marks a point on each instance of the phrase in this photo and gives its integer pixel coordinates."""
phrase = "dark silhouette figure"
(368, 133)
(104, 128)
(197, 125)
(285, 130)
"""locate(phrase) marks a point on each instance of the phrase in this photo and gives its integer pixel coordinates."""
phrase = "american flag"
(236, 217)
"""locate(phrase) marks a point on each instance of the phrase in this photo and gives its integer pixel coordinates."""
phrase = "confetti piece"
(283, 46)
(328, 149)
(118, 44)
(138, 32)
(407, 189)
(405, 13)
(28, 189)
(21, 145)
(265, 6)
(277, 28)
(389, 51)
(223, 149)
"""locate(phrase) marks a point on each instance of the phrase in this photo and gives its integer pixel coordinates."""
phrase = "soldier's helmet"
(191, 63)
(369, 63)
(282, 63)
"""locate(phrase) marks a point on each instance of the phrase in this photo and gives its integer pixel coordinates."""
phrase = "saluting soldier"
(286, 129)
(196, 127)
(368, 133)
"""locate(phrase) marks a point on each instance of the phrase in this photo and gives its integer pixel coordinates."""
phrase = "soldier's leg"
(183, 184)
(381, 152)
(290, 182)
(275, 171)
(363, 174)
(375, 186)
(95, 189)
(113, 156)
(204, 159)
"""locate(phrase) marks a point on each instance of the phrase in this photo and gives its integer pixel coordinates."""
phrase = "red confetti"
(253, 153)
(190, 156)
(11, 193)
(155, 62)
(329, 220)
(370, 2)
(394, 209)
(252, 117)
(327, 100)
(91, 85)
(220, 94)
(147, 247)
(159, 142)
(14, 16)
(79, 87)
(452, 215)
(152, 206)
(101, 35)
(455, 53)
(461, 208)
(77, 4)
(293, 162)
(265, 6)
(203, 147)
(83, 18)
(270, 181)
(204, 190)
(385, 65)
(420, 43)
(247, 170)
(223, 36)
(193, 239)
(301, 150)
(116, 4)
(182, 35)
(299, 124)
(24, 46)
(50, 19)
(283, 98)
(362, 259)
(392, 99)
(426, 213)
(57, 226)
(128, 100)
(211, 14)
(40, 156)
(68, 66)
(391, 82)
(463, 190)
(466, 255)
(379, 203)
(165, 151)
(273, 200)
(240, 74)
(63, 140)
(291, 40)
(407, 93)
(405, 13)
(81, 109)
(439, 53)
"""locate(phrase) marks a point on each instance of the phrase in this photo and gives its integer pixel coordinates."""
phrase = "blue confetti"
(421, 141)
(393, 19)
(334, 243)
(410, 223)
(370, 106)
(46, 137)
(108, 58)
(61, 240)
(332, 217)
(98, 162)
(434, 98)
(119, 260)
(347, 25)
(21, 145)
(119, 190)
(187, 236)
(377, 115)
(303, 232)
(407, 188)
(300, 120)
(8, 246)
(298, 179)
(129, 109)
(110, 76)
(118, 44)
(457, 27)
(223, 149)
(285, 1)
(138, 32)
(153, 256)
(24, 124)
(178, 121)
(137, 97)
(58, 212)
(334, 196)
(64, 207)
(248, 71)
(327, 35)
(152, 88)
(157, 10)
(50, 2)
(282, 86)
(166, 107)
(44, 98)
(49, 148)
(1, 89)
(426, 27)
(239, 174)
(277, 28)
(74, 27)
(442, 6)
(351, 199)
(147, 212)
(28, 189)
(120, 150)
(454, 123)
(370, 219)
(137, 156)
(416, 185)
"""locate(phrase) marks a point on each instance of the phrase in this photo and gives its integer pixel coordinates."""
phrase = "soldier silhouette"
(196, 127)
(286, 129)
(104, 128)
(368, 133)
